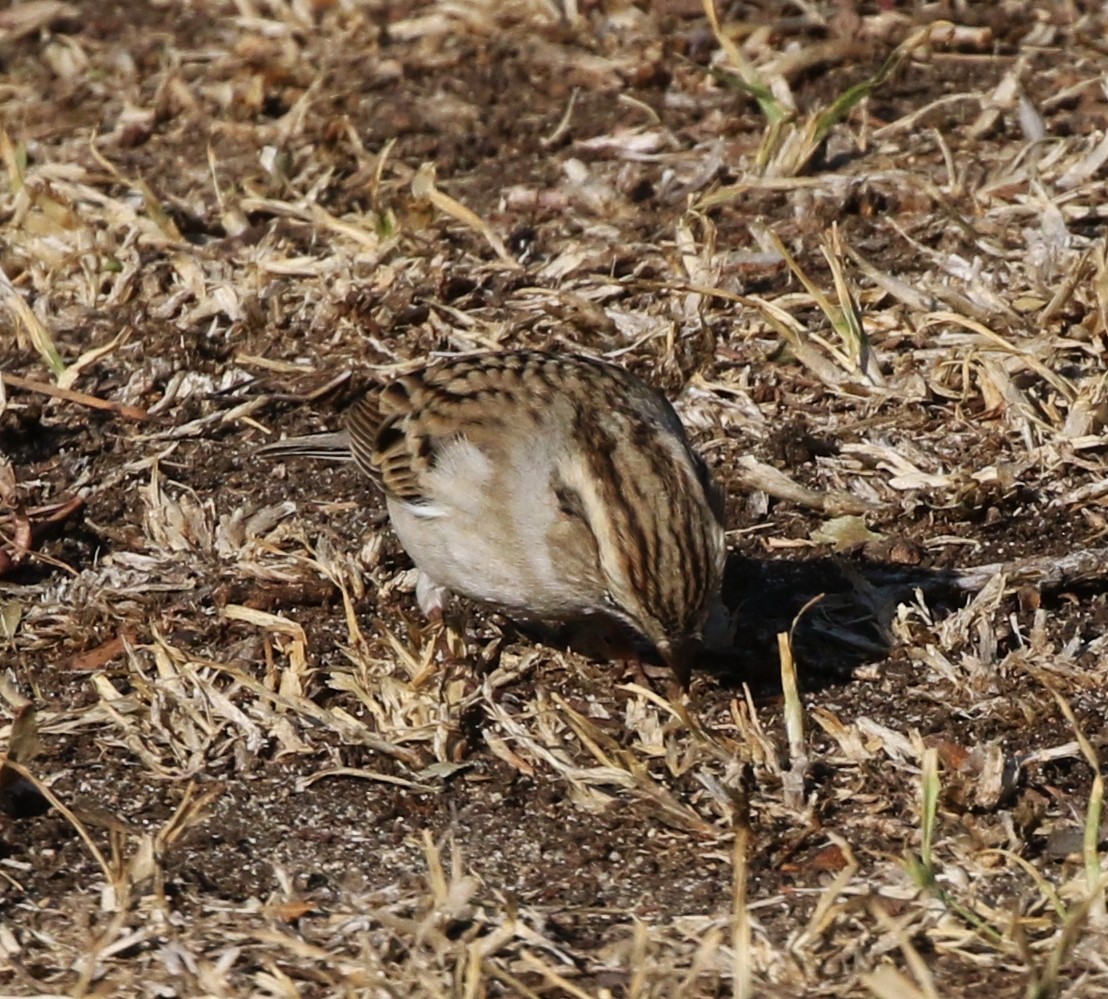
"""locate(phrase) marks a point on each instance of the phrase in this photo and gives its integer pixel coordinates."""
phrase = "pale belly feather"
(486, 536)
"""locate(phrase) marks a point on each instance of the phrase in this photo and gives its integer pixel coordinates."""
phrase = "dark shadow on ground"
(838, 610)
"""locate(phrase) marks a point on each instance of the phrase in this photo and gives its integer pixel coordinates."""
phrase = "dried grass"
(884, 318)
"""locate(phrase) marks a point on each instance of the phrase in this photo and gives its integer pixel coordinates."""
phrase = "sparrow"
(553, 487)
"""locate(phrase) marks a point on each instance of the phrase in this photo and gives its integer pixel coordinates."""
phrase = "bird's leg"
(677, 656)
(635, 669)
(432, 598)
(606, 639)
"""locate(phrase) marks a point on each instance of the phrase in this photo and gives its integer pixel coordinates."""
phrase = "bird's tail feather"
(334, 446)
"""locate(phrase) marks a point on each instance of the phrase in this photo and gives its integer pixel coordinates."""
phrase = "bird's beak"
(679, 655)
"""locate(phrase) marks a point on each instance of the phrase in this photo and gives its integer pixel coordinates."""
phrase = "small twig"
(42, 517)
(82, 831)
(757, 474)
(1051, 572)
(81, 398)
(327, 387)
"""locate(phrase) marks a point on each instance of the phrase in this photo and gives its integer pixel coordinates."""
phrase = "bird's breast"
(490, 528)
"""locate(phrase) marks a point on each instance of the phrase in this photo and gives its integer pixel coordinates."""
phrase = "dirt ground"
(238, 764)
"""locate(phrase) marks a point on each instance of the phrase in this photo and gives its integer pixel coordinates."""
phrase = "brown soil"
(261, 777)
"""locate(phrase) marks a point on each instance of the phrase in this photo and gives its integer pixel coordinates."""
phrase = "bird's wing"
(388, 444)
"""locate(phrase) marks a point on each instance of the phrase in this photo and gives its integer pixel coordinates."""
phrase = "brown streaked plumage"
(551, 486)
